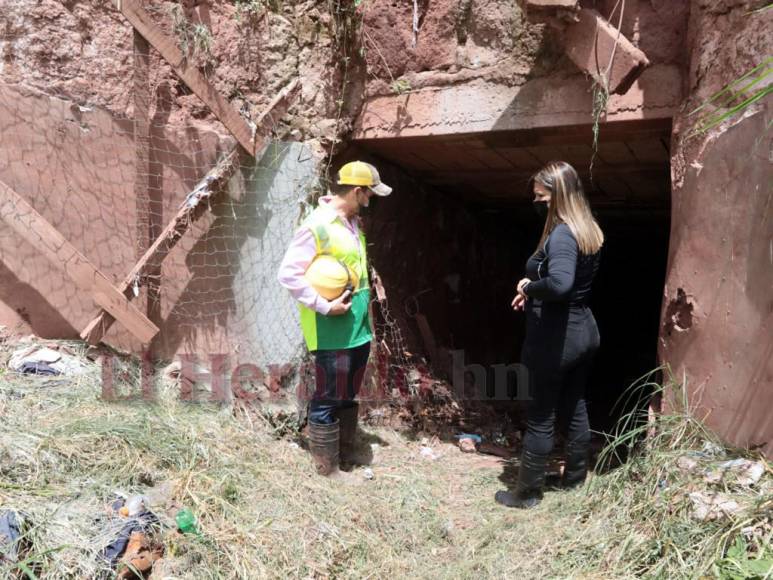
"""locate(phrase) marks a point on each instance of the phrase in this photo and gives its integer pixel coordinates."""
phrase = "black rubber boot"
(348, 417)
(324, 446)
(576, 468)
(531, 479)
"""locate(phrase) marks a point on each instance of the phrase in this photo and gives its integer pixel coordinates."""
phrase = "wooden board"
(189, 74)
(34, 228)
(156, 253)
(208, 187)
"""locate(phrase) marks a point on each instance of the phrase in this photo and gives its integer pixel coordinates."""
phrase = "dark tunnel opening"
(452, 242)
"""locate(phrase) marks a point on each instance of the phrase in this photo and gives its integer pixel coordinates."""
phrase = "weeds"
(193, 39)
(733, 99)
(647, 496)
(254, 10)
(400, 86)
(263, 513)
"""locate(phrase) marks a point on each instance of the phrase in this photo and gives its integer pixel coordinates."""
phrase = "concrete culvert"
(452, 245)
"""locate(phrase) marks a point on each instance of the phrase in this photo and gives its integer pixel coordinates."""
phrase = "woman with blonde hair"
(561, 333)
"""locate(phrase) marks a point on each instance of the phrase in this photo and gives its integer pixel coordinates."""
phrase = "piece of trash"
(428, 453)
(709, 506)
(140, 556)
(499, 438)
(38, 359)
(37, 368)
(475, 437)
(294, 445)
(134, 506)
(712, 449)
(746, 472)
(186, 522)
(10, 531)
(145, 521)
(367, 473)
(467, 445)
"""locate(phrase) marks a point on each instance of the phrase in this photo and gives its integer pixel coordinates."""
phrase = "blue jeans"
(339, 375)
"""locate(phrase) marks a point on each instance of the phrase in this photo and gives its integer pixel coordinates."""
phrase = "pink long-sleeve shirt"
(300, 253)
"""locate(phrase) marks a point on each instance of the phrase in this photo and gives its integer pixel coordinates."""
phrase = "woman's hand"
(518, 302)
(520, 286)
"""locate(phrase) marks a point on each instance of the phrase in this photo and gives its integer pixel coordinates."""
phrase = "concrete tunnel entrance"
(453, 240)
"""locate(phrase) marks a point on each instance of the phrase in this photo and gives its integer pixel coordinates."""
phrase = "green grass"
(263, 512)
(733, 99)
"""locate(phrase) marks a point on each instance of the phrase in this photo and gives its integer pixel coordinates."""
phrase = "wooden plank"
(145, 216)
(208, 187)
(272, 114)
(141, 99)
(190, 75)
(190, 211)
(31, 226)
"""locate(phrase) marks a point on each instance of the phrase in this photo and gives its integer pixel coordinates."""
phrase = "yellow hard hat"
(330, 277)
(364, 174)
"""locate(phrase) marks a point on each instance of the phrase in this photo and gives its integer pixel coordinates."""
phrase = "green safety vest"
(353, 328)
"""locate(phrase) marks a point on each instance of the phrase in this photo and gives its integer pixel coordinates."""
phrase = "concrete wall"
(717, 325)
(226, 298)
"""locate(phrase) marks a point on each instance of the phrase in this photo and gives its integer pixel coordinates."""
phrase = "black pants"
(339, 375)
(558, 352)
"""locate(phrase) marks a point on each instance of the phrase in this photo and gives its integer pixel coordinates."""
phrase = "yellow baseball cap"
(361, 173)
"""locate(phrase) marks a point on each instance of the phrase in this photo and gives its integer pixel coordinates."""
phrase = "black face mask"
(541, 208)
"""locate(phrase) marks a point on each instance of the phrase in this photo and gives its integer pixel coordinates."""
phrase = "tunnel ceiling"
(631, 168)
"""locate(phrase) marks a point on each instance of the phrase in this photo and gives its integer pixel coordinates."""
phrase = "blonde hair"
(568, 205)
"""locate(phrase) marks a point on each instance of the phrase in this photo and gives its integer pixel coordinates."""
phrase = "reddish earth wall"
(75, 165)
(476, 66)
(717, 327)
(68, 147)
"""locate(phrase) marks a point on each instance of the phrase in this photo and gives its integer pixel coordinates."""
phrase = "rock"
(160, 494)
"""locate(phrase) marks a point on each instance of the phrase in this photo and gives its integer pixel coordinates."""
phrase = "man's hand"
(340, 305)
(518, 302)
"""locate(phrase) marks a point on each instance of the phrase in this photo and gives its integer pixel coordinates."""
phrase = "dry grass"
(263, 513)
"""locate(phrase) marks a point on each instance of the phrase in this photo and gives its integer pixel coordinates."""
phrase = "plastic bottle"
(186, 521)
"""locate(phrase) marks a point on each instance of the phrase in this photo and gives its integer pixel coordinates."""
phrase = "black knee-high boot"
(531, 479)
(576, 467)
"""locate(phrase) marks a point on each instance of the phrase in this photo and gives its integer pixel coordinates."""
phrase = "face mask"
(541, 208)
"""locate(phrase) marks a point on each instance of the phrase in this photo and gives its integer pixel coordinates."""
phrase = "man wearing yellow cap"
(328, 256)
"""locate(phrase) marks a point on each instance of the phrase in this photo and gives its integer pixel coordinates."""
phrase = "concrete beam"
(601, 50)
(556, 13)
(540, 103)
